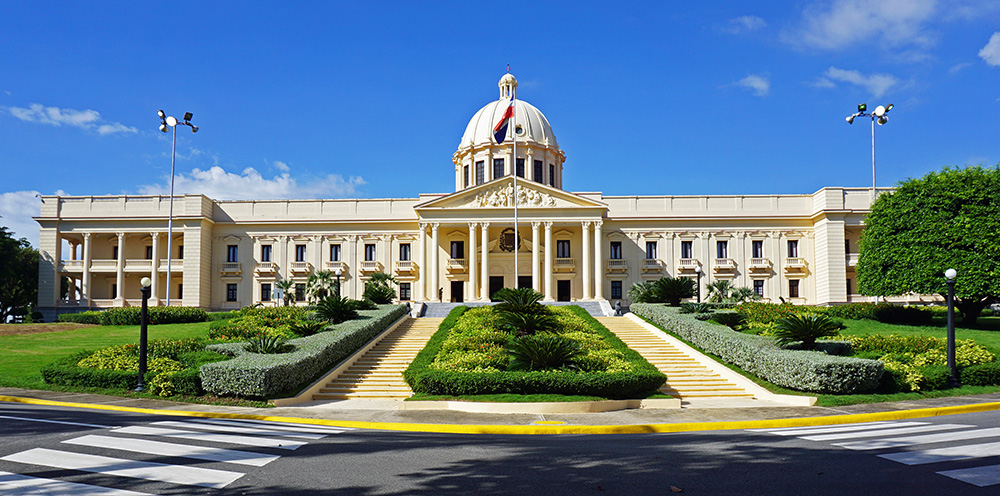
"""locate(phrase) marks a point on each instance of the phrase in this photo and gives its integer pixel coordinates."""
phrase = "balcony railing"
(565, 264)
(852, 259)
(795, 264)
(371, 266)
(300, 267)
(230, 268)
(138, 265)
(71, 266)
(102, 303)
(724, 264)
(333, 266)
(176, 265)
(405, 266)
(760, 264)
(103, 265)
(457, 265)
(266, 267)
(617, 265)
(688, 264)
(652, 265)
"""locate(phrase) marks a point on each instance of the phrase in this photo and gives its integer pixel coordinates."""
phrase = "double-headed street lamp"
(950, 275)
(167, 122)
(876, 115)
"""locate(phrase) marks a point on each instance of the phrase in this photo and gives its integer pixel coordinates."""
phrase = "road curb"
(548, 429)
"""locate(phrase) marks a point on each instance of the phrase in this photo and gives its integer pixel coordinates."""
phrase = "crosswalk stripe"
(213, 437)
(780, 429)
(258, 431)
(841, 428)
(884, 432)
(938, 455)
(170, 449)
(24, 485)
(176, 474)
(978, 476)
(897, 442)
(278, 426)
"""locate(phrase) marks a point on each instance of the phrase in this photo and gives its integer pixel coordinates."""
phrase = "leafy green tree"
(18, 274)
(946, 219)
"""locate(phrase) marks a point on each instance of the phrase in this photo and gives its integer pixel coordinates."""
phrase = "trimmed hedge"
(66, 372)
(616, 385)
(983, 374)
(253, 375)
(133, 315)
(90, 317)
(802, 370)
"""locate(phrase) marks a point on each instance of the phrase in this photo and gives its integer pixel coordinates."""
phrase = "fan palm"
(806, 328)
(320, 285)
(543, 352)
(719, 290)
(671, 290)
(286, 286)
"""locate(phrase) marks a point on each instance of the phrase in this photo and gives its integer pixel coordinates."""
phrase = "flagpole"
(517, 239)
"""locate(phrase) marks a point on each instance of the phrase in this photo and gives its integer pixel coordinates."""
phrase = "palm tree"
(320, 285)
(719, 290)
(378, 288)
(806, 328)
(671, 290)
(286, 286)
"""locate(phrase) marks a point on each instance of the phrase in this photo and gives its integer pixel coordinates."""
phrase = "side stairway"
(379, 373)
(686, 378)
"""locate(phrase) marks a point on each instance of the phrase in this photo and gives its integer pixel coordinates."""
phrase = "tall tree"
(18, 274)
(947, 219)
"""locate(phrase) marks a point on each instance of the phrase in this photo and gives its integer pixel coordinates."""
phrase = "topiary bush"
(90, 317)
(156, 315)
(983, 374)
(892, 314)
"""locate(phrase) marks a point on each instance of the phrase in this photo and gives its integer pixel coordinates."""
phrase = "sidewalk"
(384, 411)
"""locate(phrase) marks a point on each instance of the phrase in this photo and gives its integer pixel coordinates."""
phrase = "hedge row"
(252, 375)
(133, 315)
(617, 385)
(802, 370)
(66, 372)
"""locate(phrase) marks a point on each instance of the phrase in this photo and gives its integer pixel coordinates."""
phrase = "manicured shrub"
(670, 290)
(266, 345)
(543, 353)
(983, 374)
(893, 343)
(90, 317)
(805, 328)
(214, 316)
(156, 315)
(250, 326)
(732, 320)
(363, 305)
(892, 314)
(520, 300)
(855, 311)
(335, 310)
(380, 294)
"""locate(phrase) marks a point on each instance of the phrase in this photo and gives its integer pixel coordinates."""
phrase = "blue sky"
(370, 99)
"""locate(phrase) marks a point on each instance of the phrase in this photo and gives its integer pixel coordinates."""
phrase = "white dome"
(534, 126)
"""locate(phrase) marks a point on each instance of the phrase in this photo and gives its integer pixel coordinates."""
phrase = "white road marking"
(843, 428)
(884, 432)
(779, 429)
(257, 431)
(896, 442)
(945, 454)
(278, 426)
(60, 422)
(175, 474)
(170, 449)
(23, 485)
(978, 476)
(212, 437)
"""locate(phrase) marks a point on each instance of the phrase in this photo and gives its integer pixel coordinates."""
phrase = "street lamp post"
(876, 115)
(697, 270)
(952, 368)
(337, 272)
(143, 322)
(167, 122)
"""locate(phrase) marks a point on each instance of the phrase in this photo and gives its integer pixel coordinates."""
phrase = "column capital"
(435, 226)
(121, 235)
(154, 234)
(473, 226)
(598, 223)
(484, 225)
(585, 224)
(423, 226)
(535, 224)
(86, 236)
(548, 225)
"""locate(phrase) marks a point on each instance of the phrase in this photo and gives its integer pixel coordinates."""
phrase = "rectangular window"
(536, 174)
(180, 291)
(300, 253)
(757, 248)
(334, 253)
(562, 248)
(114, 252)
(149, 253)
(480, 172)
(847, 246)
(232, 253)
(465, 175)
(758, 287)
(265, 253)
(300, 292)
(616, 250)
(793, 248)
(687, 249)
(265, 291)
(849, 287)
(520, 167)
(180, 252)
(793, 288)
(230, 292)
(721, 249)
(404, 291)
(497, 168)
(616, 290)
(458, 249)
(552, 175)
(404, 252)
(650, 250)
(114, 290)
(370, 252)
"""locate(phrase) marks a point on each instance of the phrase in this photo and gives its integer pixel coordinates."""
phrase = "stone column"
(154, 275)
(586, 263)
(120, 281)
(473, 269)
(548, 262)
(485, 287)
(424, 272)
(435, 265)
(536, 282)
(598, 261)
(85, 287)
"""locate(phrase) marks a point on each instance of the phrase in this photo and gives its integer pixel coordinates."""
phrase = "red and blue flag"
(500, 130)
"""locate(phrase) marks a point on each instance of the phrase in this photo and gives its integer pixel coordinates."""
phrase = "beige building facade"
(459, 246)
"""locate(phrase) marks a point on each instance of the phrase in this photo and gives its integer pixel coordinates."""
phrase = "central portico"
(470, 241)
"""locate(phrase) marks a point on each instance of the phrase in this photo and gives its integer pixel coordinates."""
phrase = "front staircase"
(686, 377)
(379, 373)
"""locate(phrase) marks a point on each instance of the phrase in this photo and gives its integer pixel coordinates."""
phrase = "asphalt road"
(49, 449)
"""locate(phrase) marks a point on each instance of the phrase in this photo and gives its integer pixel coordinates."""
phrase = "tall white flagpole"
(517, 239)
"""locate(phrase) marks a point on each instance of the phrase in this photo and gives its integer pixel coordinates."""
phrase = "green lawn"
(986, 332)
(22, 357)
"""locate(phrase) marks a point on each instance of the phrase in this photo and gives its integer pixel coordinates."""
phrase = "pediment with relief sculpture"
(500, 194)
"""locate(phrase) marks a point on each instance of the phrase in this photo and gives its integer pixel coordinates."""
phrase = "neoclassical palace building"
(459, 246)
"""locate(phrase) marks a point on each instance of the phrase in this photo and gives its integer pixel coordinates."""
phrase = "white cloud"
(840, 23)
(958, 67)
(55, 116)
(283, 167)
(876, 84)
(822, 82)
(760, 85)
(991, 52)
(218, 184)
(744, 24)
(17, 209)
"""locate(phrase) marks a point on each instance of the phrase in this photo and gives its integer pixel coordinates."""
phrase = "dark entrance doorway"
(523, 281)
(496, 284)
(562, 290)
(457, 291)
